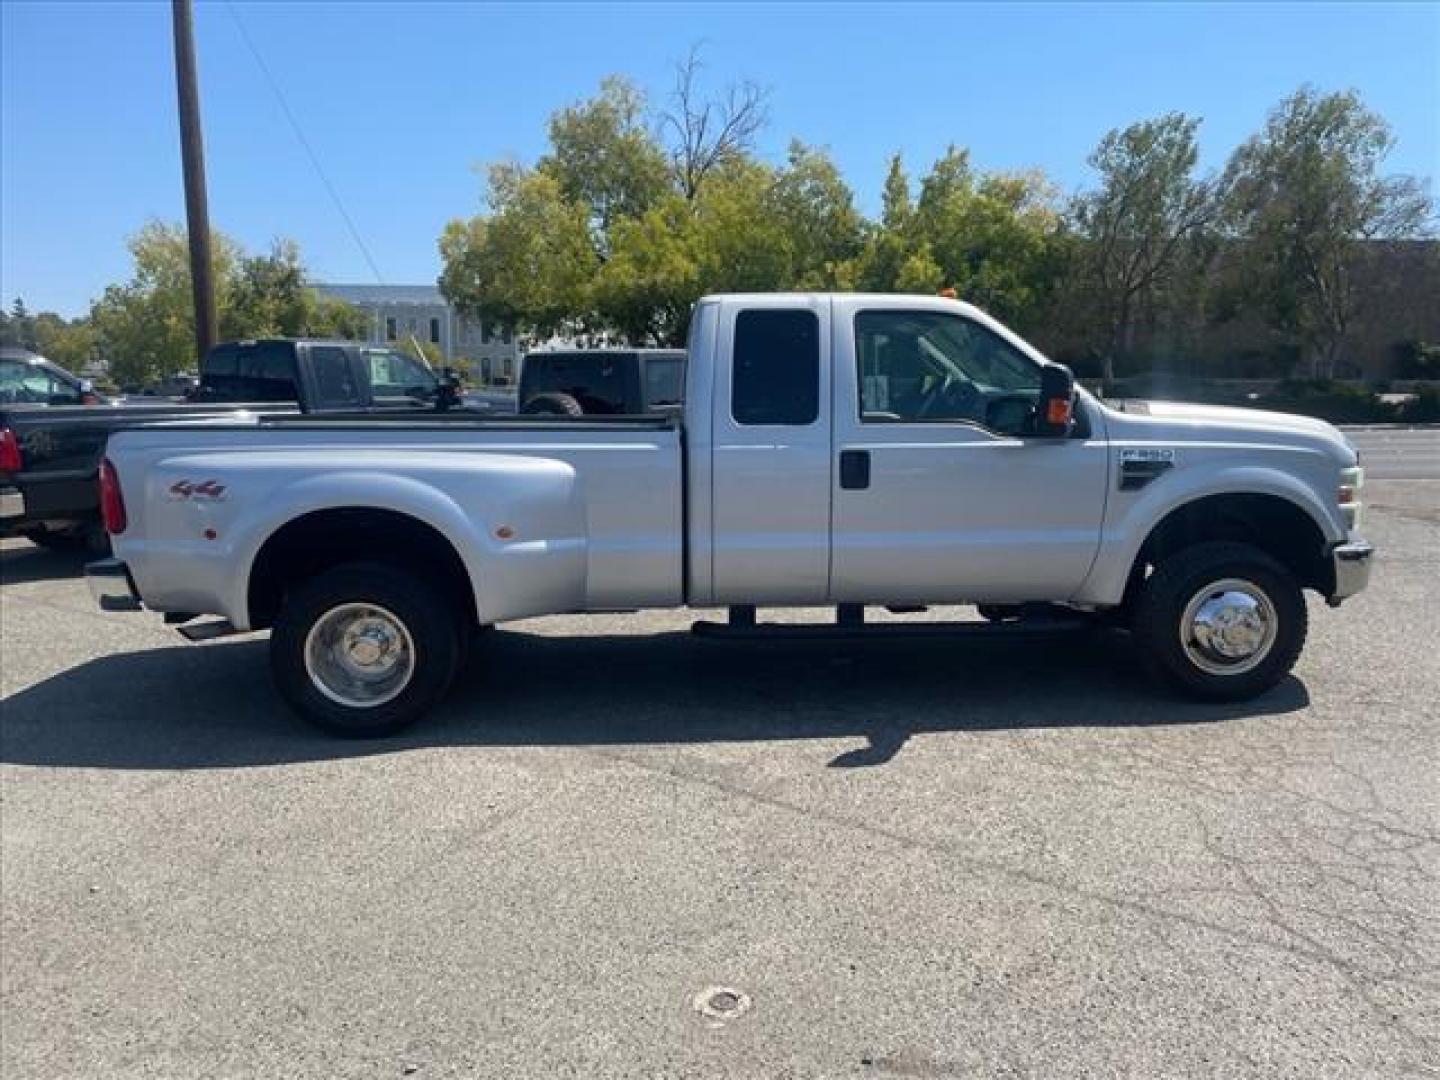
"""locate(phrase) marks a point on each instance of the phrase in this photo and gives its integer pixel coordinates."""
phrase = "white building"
(399, 312)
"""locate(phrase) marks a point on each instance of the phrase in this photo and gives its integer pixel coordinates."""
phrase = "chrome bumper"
(12, 503)
(111, 586)
(1352, 569)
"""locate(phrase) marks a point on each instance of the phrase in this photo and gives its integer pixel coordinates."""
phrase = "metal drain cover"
(722, 1003)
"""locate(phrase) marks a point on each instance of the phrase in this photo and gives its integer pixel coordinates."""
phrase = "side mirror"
(1055, 411)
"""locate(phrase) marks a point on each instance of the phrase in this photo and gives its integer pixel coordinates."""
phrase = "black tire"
(1160, 611)
(553, 404)
(416, 605)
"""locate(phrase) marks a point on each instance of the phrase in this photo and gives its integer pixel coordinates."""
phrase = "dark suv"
(601, 382)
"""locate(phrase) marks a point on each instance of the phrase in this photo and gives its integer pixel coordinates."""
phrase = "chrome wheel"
(359, 655)
(1228, 627)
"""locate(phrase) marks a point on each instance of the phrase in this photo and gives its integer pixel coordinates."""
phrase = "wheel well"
(1276, 525)
(314, 542)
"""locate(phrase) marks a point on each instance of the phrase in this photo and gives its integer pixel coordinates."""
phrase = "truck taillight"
(112, 502)
(11, 460)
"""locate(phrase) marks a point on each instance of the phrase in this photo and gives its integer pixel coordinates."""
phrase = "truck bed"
(603, 498)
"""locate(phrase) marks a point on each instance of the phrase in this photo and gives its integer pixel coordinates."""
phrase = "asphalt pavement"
(903, 859)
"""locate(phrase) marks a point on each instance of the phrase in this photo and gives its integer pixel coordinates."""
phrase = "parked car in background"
(26, 378)
(602, 382)
(50, 450)
(177, 387)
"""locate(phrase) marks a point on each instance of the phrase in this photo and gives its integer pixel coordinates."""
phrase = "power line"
(304, 142)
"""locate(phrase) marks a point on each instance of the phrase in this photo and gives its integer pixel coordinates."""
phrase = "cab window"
(22, 383)
(777, 367)
(934, 366)
(664, 380)
(393, 374)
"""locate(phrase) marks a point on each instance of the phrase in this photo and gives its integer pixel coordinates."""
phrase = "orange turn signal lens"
(1057, 411)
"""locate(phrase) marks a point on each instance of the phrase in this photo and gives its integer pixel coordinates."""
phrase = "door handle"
(854, 469)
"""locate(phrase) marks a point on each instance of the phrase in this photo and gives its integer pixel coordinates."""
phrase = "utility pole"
(192, 153)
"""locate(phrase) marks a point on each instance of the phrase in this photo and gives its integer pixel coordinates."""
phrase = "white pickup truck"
(843, 450)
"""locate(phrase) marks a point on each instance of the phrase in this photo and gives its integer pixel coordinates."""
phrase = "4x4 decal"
(205, 491)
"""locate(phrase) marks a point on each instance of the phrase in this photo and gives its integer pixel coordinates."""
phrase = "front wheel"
(365, 649)
(1220, 621)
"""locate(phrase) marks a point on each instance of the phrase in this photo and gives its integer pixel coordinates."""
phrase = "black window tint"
(221, 361)
(595, 380)
(777, 367)
(268, 370)
(334, 379)
(664, 380)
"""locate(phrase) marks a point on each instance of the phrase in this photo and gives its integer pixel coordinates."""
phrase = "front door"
(940, 495)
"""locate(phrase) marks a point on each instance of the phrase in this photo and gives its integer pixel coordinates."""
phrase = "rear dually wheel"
(365, 649)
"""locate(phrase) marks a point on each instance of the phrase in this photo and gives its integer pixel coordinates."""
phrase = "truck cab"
(884, 450)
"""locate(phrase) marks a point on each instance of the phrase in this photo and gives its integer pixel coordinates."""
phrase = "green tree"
(1137, 224)
(605, 159)
(145, 327)
(817, 210)
(1304, 193)
(652, 278)
(993, 236)
(529, 264)
(71, 343)
(741, 243)
(892, 245)
(269, 296)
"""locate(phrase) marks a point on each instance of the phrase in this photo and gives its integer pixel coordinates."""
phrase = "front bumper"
(111, 585)
(1352, 569)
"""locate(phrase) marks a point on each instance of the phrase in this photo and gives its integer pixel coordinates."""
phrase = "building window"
(435, 331)
(390, 331)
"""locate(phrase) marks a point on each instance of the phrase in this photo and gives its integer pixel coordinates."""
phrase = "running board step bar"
(208, 631)
(850, 623)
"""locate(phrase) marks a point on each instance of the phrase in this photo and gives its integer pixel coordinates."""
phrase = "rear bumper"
(12, 503)
(1352, 569)
(111, 585)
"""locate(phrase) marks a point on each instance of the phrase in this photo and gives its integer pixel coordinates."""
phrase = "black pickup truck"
(49, 452)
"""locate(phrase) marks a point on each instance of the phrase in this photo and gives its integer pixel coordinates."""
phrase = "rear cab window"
(777, 367)
(664, 380)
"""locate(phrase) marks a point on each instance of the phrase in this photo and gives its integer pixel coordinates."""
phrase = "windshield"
(394, 374)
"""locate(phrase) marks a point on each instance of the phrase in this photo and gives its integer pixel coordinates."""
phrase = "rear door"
(770, 463)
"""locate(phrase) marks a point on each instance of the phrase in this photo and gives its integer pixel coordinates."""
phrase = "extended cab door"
(770, 452)
(940, 494)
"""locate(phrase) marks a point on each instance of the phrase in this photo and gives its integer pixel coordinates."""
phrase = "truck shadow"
(213, 706)
(22, 561)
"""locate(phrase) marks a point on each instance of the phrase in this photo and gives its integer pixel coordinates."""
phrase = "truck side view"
(844, 450)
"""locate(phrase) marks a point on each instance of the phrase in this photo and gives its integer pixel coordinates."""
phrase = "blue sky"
(403, 101)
